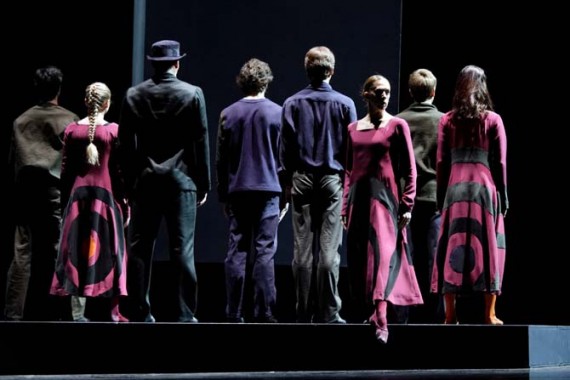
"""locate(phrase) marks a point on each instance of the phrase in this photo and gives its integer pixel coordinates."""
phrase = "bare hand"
(202, 200)
(404, 219)
(344, 221)
(283, 211)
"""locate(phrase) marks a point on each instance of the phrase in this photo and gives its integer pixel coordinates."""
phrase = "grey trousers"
(317, 231)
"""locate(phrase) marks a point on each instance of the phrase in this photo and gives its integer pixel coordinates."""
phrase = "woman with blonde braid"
(92, 255)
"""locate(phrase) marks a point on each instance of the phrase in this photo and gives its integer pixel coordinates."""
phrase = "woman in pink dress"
(379, 192)
(472, 197)
(92, 256)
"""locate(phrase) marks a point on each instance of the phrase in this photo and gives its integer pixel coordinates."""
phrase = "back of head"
(47, 81)
(471, 98)
(319, 63)
(254, 77)
(422, 84)
(97, 98)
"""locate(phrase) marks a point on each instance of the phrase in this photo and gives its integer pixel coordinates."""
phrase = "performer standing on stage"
(472, 197)
(315, 122)
(247, 162)
(92, 254)
(423, 117)
(379, 193)
(166, 157)
(35, 155)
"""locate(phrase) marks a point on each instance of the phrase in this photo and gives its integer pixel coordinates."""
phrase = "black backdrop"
(96, 45)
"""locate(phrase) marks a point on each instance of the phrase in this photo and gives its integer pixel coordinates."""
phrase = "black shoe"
(266, 319)
(149, 318)
(339, 320)
(234, 320)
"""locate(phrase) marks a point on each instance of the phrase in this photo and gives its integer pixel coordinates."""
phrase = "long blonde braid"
(96, 96)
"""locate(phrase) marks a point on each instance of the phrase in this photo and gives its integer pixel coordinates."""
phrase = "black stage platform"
(172, 349)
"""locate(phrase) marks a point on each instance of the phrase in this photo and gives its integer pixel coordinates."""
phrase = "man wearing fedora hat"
(165, 156)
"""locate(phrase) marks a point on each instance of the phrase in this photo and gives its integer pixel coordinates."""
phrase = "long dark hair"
(471, 99)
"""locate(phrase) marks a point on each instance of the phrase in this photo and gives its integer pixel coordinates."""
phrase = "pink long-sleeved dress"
(472, 197)
(92, 255)
(380, 184)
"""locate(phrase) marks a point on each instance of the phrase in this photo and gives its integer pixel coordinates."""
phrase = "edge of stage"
(121, 348)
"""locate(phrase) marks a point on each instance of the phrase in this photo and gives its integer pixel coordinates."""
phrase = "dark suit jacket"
(163, 128)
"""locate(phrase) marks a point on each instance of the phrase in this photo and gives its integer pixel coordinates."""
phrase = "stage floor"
(550, 373)
(162, 350)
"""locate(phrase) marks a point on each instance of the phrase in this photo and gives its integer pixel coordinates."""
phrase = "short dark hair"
(254, 77)
(47, 81)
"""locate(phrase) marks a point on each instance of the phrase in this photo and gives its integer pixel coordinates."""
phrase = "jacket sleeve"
(407, 169)
(443, 164)
(200, 144)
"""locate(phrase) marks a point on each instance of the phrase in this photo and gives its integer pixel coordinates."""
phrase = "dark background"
(390, 37)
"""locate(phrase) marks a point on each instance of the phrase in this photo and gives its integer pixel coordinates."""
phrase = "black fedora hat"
(165, 50)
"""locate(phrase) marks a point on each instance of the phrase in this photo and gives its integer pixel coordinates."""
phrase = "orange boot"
(450, 315)
(490, 316)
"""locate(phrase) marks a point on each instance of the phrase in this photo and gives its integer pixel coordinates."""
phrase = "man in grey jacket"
(423, 118)
(35, 155)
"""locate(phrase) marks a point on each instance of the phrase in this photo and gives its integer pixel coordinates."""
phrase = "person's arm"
(201, 148)
(285, 196)
(118, 181)
(288, 149)
(222, 161)
(126, 157)
(499, 165)
(443, 164)
(66, 176)
(346, 183)
(408, 172)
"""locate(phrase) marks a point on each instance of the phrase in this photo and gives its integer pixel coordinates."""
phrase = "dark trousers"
(165, 196)
(253, 224)
(317, 230)
(36, 240)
